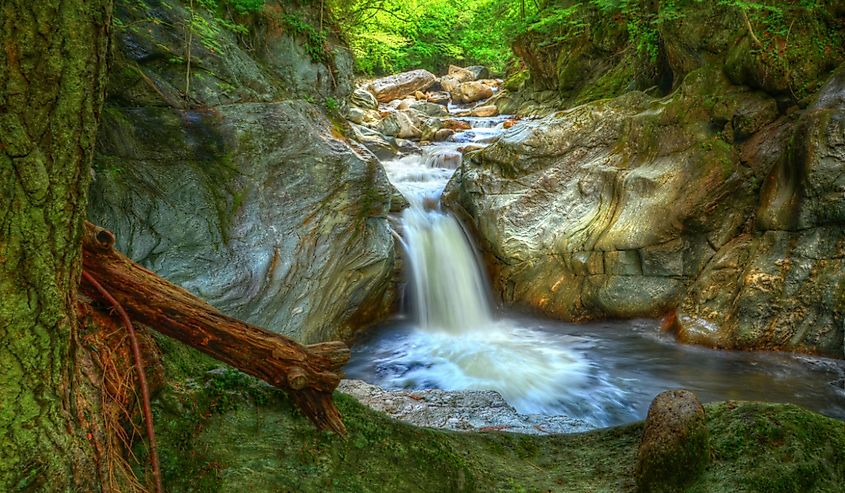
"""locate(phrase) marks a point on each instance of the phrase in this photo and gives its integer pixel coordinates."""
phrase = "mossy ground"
(227, 432)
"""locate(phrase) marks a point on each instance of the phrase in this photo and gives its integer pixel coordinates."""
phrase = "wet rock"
(470, 92)
(443, 134)
(399, 124)
(832, 95)
(363, 99)
(400, 85)
(460, 411)
(674, 449)
(253, 207)
(382, 146)
(484, 111)
(429, 108)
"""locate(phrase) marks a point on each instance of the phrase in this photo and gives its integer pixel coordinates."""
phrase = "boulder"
(362, 98)
(470, 92)
(400, 85)
(356, 115)
(399, 124)
(479, 72)
(255, 208)
(430, 109)
(461, 74)
(382, 146)
(450, 84)
(440, 97)
(674, 449)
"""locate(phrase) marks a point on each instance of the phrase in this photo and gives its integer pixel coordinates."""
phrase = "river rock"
(362, 98)
(400, 85)
(399, 124)
(461, 74)
(674, 449)
(253, 207)
(443, 134)
(484, 111)
(470, 92)
(450, 84)
(440, 97)
(478, 72)
(430, 109)
(356, 115)
(461, 411)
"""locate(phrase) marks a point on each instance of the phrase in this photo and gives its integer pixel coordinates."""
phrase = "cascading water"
(603, 374)
(448, 289)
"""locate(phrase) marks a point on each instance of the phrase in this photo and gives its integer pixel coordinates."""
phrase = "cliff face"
(721, 200)
(249, 198)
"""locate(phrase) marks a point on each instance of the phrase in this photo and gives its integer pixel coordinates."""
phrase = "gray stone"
(253, 207)
(470, 410)
(362, 98)
(400, 85)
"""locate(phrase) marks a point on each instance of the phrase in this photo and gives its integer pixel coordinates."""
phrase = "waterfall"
(449, 291)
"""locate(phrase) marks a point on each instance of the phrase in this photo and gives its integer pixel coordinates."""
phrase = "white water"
(604, 373)
(453, 341)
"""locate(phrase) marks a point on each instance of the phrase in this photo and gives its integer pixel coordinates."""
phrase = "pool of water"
(605, 373)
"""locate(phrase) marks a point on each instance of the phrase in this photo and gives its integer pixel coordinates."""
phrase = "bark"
(52, 82)
(309, 374)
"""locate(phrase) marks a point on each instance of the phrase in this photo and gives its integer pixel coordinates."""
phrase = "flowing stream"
(602, 373)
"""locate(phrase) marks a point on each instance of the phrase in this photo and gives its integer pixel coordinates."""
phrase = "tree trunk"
(52, 82)
(308, 374)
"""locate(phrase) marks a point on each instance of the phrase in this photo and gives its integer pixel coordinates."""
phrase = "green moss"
(227, 432)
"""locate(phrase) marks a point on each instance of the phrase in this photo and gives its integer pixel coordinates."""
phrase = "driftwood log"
(309, 374)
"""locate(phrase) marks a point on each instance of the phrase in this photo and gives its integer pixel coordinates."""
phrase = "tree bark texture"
(53, 65)
(309, 374)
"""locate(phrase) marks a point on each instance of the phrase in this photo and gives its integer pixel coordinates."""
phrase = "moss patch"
(223, 431)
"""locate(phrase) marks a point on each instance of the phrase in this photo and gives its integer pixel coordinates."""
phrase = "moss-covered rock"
(222, 431)
(675, 444)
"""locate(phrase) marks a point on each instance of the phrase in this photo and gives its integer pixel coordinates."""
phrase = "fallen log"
(309, 374)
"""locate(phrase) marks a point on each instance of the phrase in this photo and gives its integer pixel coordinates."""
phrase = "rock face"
(401, 85)
(460, 411)
(710, 201)
(674, 449)
(253, 205)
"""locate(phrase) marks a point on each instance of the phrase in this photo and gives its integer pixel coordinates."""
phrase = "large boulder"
(400, 85)
(470, 92)
(709, 201)
(399, 124)
(253, 207)
(674, 449)
(460, 74)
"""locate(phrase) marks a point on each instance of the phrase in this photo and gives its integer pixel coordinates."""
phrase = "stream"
(604, 373)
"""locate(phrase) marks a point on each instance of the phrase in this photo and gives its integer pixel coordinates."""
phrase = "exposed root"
(142, 379)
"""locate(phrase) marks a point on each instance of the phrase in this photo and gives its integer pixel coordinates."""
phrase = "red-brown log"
(309, 374)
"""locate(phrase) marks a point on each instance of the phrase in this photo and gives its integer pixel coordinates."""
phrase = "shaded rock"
(674, 449)
(832, 95)
(362, 98)
(470, 92)
(479, 72)
(460, 411)
(253, 207)
(382, 146)
(400, 85)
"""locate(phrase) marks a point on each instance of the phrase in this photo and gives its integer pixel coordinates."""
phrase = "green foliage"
(316, 40)
(393, 35)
